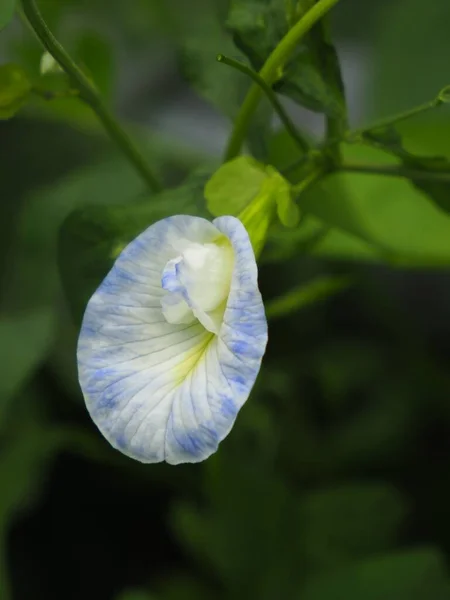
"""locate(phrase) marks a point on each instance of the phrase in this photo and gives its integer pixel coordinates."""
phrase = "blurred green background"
(335, 481)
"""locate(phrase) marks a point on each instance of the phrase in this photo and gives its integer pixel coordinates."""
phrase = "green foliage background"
(335, 482)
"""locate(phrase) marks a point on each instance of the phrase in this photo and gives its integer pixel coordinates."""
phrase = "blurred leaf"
(312, 75)
(305, 294)
(186, 587)
(251, 519)
(379, 429)
(412, 40)
(15, 89)
(408, 575)
(92, 238)
(7, 8)
(388, 214)
(389, 139)
(345, 367)
(95, 55)
(225, 88)
(24, 342)
(315, 237)
(221, 86)
(350, 521)
(34, 274)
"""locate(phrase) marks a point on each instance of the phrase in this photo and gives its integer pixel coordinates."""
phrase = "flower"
(172, 340)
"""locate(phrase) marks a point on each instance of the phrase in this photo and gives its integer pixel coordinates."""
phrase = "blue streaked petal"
(162, 391)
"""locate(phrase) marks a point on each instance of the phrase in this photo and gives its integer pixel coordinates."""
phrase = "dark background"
(335, 481)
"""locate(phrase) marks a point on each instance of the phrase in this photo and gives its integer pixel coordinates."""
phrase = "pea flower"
(172, 340)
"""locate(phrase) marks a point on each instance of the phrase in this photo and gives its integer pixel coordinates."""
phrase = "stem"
(395, 171)
(309, 180)
(386, 122)
(88, 93)
(270, 71)
(272, 97)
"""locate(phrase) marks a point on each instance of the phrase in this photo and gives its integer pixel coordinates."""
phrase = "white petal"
(160, 391)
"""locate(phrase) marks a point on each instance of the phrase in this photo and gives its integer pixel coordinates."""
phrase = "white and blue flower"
(172, 340)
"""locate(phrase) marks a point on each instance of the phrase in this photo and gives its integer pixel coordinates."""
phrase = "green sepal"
(255, 193)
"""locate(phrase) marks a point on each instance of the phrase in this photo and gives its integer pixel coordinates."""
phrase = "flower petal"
(163, 391)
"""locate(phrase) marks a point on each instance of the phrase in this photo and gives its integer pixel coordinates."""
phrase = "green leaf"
(390, 140)
(396, 221)
(251, 519)
(408, 575)
(24, 342)
(305, 295)
(234, 185)
(225, 88)
(252, 192)
(350, 521)
(94, 54)
(15, 89)
(185, 587)
(7, 8)
(238, 182)
(312, 75)
(404, 29)
(381, 428)
(34, 274)
(364, 217)
(287, 210)
(91, 238)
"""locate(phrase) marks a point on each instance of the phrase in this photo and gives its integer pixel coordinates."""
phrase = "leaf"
(181, 586)
(316, 238)
(363, 217)
(224, 88)
(15, 89)
(312, 75)
(390, 140)
(239, 181)
(348, 522)
(403, 30)
(254, 193)
(251, 519)
(7, 8)
(305, 295)
(94, 54)
(24, 342)
(199, 45)
(397, 221)
(408, 575)
(93, 237)
(380, 429)
(34, 273)
(234, 185)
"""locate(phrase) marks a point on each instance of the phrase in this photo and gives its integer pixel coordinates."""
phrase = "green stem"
(396, 171)
(271, 96)
(309, 180)
(386, 122)
(88, 93)
(270, 71)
